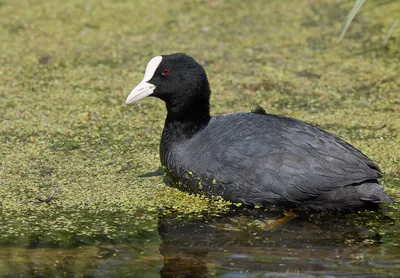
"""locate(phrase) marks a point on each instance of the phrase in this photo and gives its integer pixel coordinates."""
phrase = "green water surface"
(75, 197)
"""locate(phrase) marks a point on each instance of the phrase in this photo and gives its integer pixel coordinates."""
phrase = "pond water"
(242, 243)
(73, 198)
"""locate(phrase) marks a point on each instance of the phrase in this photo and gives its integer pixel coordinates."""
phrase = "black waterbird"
(253, 158)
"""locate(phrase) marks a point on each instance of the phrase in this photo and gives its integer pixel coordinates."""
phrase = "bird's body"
(257, 158)
(261, 159)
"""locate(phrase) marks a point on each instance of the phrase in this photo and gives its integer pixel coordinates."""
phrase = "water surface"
(242, 243)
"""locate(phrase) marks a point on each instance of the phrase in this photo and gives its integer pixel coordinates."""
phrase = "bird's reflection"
(258, 240)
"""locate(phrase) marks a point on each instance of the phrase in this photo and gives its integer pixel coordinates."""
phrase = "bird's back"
(260, 159)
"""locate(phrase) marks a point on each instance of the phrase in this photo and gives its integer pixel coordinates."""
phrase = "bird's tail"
(372, 192)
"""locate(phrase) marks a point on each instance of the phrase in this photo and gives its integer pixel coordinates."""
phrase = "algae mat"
(74, 157)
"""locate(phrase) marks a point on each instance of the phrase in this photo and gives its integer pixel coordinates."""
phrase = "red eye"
(165, 71)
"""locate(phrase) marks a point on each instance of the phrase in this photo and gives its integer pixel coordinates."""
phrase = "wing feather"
(274, 158)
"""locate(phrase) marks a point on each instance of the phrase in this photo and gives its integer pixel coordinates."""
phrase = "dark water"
(240, 244)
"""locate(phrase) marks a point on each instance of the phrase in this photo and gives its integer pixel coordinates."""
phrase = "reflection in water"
(239, 244)
(243, 245)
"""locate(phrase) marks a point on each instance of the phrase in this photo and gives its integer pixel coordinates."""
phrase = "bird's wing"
(281, 158)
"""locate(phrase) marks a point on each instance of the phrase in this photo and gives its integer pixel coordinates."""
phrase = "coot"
(254, 158)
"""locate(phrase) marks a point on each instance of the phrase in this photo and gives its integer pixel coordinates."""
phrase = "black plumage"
(255, 158)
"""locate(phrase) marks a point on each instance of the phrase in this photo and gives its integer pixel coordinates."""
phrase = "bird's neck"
(182, 123)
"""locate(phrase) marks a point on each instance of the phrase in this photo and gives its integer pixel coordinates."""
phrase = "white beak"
(144, 88)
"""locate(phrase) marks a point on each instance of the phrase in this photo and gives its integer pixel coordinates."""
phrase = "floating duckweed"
(74, 157)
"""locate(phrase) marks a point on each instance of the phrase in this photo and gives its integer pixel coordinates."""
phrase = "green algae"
(72, 152)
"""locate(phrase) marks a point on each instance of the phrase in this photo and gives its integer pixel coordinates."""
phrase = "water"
(66, 68)
(240, 244)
